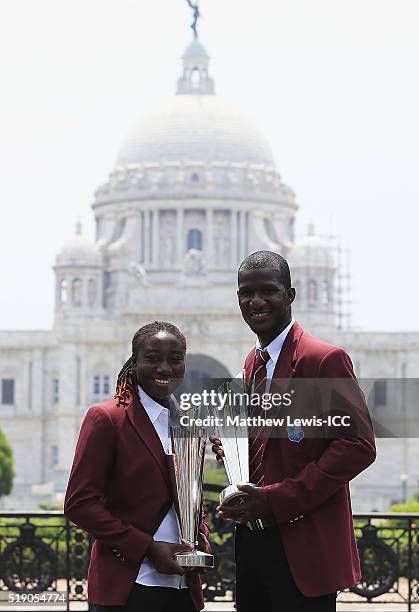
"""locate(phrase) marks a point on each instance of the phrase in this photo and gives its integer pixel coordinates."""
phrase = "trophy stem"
(186, 468)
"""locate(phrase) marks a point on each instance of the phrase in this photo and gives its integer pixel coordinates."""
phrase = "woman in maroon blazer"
(119, 489)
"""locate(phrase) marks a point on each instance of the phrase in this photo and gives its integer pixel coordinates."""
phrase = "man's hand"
(162, 556)
(217, 449)
(254, 506)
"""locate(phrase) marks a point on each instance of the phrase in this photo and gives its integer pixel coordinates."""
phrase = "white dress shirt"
(274, 349)
(169, 530)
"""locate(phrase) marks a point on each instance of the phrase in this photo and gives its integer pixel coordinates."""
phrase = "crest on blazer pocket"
(295, 433)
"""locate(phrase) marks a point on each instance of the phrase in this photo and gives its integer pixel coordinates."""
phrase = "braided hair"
(127, 379)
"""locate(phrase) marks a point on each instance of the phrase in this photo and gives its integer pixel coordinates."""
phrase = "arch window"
(76, 292)
(194, 240)
(63, 291)
(195, 177)
(312, 291)
(92, 292)
(195, 76)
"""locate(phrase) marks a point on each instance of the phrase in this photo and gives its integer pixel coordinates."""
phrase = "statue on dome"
(196, 16)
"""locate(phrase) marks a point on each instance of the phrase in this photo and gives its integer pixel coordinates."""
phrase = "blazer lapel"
(285, 366)
(248, 369)
(145, 429)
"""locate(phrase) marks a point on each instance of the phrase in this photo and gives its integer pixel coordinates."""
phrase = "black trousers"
(263, 579)
(153, 599)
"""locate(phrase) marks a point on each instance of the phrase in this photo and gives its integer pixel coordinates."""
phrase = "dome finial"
(195, 78)
(196, 15)
(78, 227)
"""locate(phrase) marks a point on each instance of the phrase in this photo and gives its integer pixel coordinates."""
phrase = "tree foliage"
(6, 466)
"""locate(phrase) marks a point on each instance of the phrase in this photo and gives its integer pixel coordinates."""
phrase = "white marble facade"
(194, 190)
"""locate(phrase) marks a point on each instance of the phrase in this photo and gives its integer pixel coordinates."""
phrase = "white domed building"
(194, 190)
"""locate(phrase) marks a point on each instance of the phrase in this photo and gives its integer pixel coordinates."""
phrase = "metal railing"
(44, 552)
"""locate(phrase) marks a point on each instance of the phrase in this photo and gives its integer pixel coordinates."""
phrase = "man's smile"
(260, 315)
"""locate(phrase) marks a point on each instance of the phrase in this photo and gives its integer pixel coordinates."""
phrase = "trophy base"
(232, 496)
(195, 558)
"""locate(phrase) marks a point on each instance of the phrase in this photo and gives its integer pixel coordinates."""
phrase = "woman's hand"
(162, 556)
(217, 449)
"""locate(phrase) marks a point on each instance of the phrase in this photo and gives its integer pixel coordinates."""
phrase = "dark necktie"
(256, 441)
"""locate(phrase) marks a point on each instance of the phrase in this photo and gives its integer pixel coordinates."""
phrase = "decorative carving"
(139, 273)
(194, 263)
(221, 177)
(28, 563)
(195, 327)
(379, 564)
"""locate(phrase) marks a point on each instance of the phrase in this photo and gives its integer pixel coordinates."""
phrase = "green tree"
(6, 466)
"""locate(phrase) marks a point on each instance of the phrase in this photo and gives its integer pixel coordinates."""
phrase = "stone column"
(242, 234)
(179, 236)
(146, 237)
(140, 237)
(38, 382)
(234, 237)
(155, 239)
(209, 238)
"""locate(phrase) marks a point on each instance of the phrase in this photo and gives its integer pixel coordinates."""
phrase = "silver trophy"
(186, 468)
(234, 440)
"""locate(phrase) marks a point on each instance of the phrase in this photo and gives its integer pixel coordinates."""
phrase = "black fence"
(43, 552)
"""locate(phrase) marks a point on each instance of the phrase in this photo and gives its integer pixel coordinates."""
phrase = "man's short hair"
(270, 260)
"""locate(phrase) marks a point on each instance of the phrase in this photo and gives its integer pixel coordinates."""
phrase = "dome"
(194, 145)
(195, 49)
(196, 128)
(79, 252)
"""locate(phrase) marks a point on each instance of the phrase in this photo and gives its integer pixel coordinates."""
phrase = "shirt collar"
(275, 347)
(152, 408)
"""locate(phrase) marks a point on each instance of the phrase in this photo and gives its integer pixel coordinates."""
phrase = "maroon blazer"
(307, 482)
(119, 492)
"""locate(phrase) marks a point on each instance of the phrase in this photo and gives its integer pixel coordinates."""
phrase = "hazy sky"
(333, 84)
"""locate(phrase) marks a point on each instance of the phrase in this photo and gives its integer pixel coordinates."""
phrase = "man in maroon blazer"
(301, 548)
